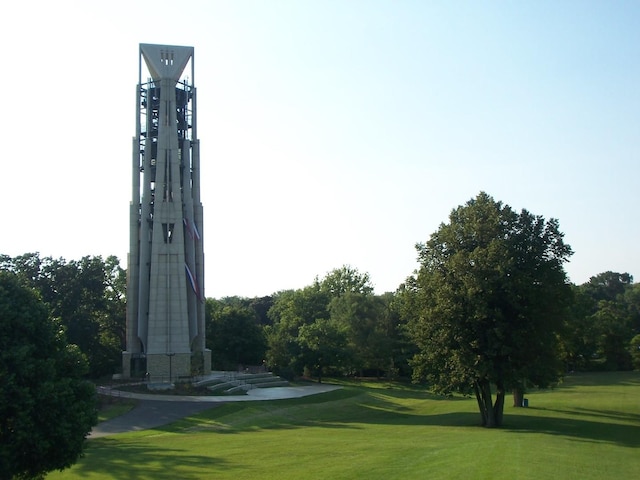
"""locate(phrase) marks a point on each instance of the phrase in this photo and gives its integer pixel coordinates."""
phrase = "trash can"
(525, 402)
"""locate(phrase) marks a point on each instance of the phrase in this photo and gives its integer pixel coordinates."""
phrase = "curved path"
(149, 414)
(157, 410)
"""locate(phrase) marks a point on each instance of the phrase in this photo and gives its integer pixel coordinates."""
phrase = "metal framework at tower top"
(165, 289)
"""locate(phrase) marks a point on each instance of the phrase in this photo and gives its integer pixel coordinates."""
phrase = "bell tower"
(165, 283)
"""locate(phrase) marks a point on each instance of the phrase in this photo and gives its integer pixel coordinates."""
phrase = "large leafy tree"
(367, 322)
(291, 310)
(346, 279)
(488, 302)
(634, 351)
(632, 301)
(233, 335)
(46, 408)
(606, 316)
(291, 336)
(88, 295)
(579, 340)
(323, 346)
(613, 328)
(607, 285)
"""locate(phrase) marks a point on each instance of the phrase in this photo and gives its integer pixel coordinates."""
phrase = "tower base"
(168, 368)
(134, 365)
(165, 368)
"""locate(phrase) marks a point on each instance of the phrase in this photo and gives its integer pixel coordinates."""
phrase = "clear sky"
(332, 132)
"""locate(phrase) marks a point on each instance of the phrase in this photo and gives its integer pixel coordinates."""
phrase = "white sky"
(332, 132)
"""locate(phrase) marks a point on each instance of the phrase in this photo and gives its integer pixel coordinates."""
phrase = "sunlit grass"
(587, 428)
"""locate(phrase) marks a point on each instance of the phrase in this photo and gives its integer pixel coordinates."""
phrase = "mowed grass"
(587, 428)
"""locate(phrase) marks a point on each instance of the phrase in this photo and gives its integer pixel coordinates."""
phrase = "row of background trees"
(336, 325)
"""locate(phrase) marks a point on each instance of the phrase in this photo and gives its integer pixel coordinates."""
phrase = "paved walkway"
(149, 414)
(157, 410)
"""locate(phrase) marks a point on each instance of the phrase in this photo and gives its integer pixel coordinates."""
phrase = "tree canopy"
(487, 303)
(234, 335)
(335, 325)
(87, 295)
(46, 408)
(604, 318)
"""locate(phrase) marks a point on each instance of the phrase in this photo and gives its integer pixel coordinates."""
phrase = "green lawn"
(588, 428)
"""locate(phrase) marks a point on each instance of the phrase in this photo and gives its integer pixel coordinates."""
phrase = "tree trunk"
(391, 369)
(483, 396)
(485, 386)
(498, 407)
(481, 406)
(518, 397)
(490, 413)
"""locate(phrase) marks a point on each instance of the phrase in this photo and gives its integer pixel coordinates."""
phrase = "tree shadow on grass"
(126, 459)
(610, 415)
(586, 429)
(600, 426)
(376, 415)
(580, 380)
(622, 429)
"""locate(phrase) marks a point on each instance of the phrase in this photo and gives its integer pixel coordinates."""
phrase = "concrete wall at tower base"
(181, 366)
(126, 364)
(134, 365)
(164, 368)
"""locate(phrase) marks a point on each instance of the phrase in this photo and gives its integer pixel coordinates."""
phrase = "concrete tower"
(165, 289)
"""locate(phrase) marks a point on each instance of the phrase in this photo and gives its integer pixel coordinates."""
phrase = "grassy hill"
(587, 428)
